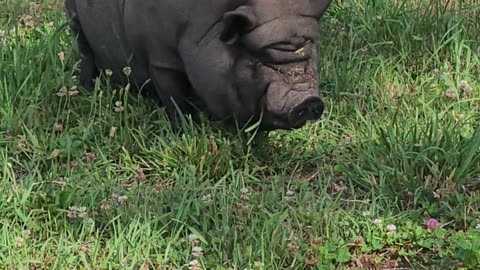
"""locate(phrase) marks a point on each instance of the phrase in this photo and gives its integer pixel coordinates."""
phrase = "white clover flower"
(127, 71)
(193, 239)
(391, 228)
(119, 199)
(194, 265)
(197, 252)
(76, 211)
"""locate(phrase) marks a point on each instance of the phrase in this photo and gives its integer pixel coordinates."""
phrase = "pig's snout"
(290, 107)
(311, 108)
(292, 97)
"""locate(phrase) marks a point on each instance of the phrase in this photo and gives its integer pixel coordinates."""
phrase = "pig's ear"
(236, 23)
(319, 7)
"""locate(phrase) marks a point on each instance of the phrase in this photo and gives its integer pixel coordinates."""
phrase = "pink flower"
(432, 224)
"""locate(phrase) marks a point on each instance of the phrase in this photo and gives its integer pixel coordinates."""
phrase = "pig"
(244, 60)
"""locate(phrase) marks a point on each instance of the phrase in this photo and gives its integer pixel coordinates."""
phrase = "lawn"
(388, 179)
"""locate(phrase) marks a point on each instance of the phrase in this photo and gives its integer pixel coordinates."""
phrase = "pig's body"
(220, 51)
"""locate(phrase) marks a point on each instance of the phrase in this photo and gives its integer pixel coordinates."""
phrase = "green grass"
(399, 142)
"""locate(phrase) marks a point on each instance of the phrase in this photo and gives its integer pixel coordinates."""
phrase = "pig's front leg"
(172, 88)
(88, 68)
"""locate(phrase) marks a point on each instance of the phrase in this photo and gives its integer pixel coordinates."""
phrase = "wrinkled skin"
(241, 58)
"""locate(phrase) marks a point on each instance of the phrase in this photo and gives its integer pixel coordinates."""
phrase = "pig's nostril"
(301, 113)
(310, 109)
(317, 111)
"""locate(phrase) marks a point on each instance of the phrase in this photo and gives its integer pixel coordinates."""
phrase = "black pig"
(241, 58)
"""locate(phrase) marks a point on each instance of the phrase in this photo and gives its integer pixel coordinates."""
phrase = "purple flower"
(432, 224)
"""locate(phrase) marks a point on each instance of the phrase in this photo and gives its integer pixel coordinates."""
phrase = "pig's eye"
(291, 45)
(285, 52)
(287, 47)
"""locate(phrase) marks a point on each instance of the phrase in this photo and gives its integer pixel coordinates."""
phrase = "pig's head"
(260, 59)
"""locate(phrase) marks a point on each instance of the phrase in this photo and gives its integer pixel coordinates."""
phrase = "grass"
(98, 180)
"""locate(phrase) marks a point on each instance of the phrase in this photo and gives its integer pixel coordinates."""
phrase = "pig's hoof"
(87, 84)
